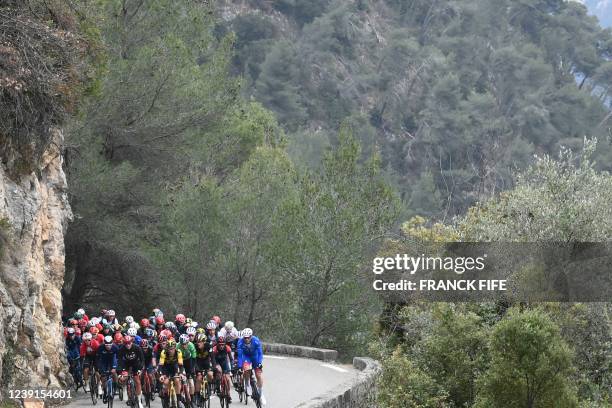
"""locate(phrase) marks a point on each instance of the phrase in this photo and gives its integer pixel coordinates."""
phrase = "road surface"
(288, 381)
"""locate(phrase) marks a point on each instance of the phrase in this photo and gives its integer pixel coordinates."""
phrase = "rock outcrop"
(34, 212)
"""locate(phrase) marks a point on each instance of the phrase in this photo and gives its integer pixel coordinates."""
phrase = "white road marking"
(276, 357)
(333, 367)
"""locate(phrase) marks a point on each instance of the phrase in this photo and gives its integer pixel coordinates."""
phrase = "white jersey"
(229, 336)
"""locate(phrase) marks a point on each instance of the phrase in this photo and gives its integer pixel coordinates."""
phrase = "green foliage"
(458, 93)
(530, 364)
(402, 384)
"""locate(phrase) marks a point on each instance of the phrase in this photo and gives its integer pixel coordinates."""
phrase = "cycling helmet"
(144, 343)
(157, 313)
(180, 318)
(162, 337)
(134, 325)
(194, 324)
(159, 320)
(191, 330)
(149, 332)
(184, 339)
(81, 311)
(229, 325)
(247, 332)
(128, 339)
(171, 344)
(108, 340)
(132, 332)
(87, 336)
(188, 320)
(111, 313)
(96, 320)
(91, 324)
(129, 319)
(221, 340)
(211, 325)
(166, 333)
(71, 331)
(144, 323)
(217, 320)
(201, 337)
(78, 315)
(200, 330)
(170, 325)
(117, 327)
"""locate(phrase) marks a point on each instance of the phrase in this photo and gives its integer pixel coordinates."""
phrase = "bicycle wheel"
(131, 392)
(146, 382)
(93, 386)
(110, 396)
(255, 396)
(120, 391)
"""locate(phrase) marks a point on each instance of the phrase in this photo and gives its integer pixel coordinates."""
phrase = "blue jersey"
(107, 359)
(73, 347)
(252, 352)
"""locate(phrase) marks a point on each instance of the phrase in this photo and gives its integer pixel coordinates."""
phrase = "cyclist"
(180, 321)
(107, 363)
(211, 332)
(95, 333)
(126, 324)
(222, 357)
(88, 351)
(203, 353)
(231, 335)
(134, 334)
(131, 361)
(110, 318)
(170, 366)
(250, 355)
(159, 323)
(73, 348)
(144, 325)
(149, 360)
(189, 353)
(191, 332)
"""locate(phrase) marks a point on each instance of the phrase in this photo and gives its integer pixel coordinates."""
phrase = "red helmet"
(162, 337)
(166, 333)
(144, 343)
(159, 320)
(128, 339)
(217, 320)
(118, 337)
(144, 323)
(180, 318)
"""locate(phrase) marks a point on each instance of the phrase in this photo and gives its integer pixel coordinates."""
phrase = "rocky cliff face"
(34, 211)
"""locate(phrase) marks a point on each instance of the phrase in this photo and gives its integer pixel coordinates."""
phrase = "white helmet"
(191, 330)
(95, 320)
(194, 324)
(81, 311)
(229, 325)
(133, 325)
(247, 332)
(91, 323)
(131, 332)
(129, 319)
(87, 336)
(211, 325)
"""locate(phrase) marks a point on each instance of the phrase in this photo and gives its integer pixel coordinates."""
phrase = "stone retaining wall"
(300, 351)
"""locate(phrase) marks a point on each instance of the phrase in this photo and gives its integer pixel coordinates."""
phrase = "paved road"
(288, 381)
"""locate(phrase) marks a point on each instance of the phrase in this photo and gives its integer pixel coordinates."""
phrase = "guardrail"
(360, 393)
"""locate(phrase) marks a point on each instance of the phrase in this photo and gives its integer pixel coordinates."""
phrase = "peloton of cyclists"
(162, 349)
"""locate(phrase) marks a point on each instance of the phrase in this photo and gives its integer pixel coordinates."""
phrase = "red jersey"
(89, 350)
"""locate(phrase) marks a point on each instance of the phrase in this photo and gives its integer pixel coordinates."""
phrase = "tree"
(342, 211)
(530, 364)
